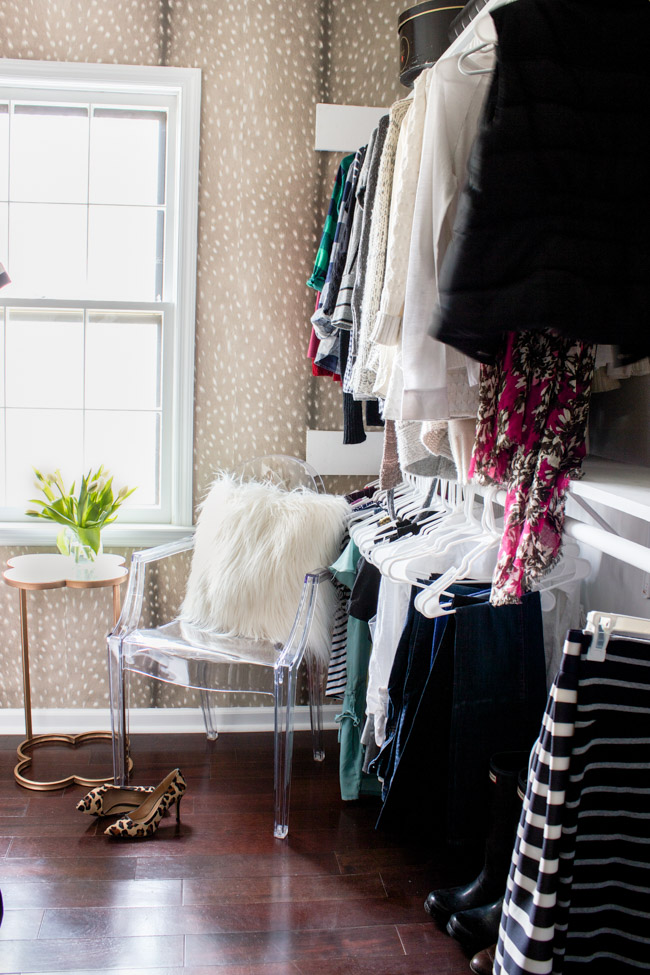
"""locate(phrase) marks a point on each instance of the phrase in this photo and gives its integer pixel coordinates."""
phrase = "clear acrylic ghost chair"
(179, 654)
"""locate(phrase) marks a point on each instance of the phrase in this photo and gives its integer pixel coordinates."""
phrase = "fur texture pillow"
(253, 545)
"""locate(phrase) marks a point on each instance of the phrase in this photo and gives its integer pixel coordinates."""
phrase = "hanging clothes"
(461, 688)
(362, 607)
(322, 317)
(530, 439)
(551, 230)
(454, 103)
(363, 376)
(578, 892)
(365, 201)
(321, 263)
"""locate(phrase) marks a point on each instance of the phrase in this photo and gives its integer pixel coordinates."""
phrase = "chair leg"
(119, 716)
(285, 699)
(209, 715)
(316, 674)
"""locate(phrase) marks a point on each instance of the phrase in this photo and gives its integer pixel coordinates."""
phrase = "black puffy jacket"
(552, 229)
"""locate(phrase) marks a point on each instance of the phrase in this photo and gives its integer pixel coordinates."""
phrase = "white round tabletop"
(47, 571)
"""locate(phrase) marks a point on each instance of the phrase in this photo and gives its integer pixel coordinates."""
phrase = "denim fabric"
(463, 687)
(414, 658)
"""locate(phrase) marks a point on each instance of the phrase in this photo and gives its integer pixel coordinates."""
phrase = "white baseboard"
(157, 721)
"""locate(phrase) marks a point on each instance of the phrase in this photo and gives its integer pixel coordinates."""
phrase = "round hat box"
(423, 31)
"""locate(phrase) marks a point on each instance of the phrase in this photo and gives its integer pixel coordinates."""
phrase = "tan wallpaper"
(263, 197)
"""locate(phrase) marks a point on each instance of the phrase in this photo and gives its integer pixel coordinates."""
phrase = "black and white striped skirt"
(578, 897)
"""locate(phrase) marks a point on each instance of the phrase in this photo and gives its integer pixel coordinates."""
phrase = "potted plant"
(81, 516)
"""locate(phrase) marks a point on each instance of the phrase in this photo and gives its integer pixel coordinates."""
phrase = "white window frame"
(180, 89)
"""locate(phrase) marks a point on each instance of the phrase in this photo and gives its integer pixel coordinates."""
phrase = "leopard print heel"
(145, 820)
(107, 800)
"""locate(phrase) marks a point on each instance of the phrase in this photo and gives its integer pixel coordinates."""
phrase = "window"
(98, 206)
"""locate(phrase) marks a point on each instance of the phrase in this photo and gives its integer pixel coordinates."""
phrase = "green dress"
(354, 782)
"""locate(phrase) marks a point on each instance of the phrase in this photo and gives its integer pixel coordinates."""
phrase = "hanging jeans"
(463, 687)
(578, 897)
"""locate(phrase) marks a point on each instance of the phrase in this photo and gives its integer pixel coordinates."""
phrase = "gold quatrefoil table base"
(44, 571)
(25, 760)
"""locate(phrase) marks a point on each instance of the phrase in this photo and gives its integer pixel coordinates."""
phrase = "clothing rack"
(607, 542)
(622, 487)
(467, 38)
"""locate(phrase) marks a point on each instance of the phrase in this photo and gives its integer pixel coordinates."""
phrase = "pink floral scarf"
(530, 439)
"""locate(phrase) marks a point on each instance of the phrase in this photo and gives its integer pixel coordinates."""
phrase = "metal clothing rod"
(619, 548)
(594, 514)
(606, 542)
(466, 39)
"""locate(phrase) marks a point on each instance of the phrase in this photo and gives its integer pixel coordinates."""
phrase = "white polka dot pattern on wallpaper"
(262, 200)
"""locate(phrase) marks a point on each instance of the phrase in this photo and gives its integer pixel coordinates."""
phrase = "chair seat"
(178, 653)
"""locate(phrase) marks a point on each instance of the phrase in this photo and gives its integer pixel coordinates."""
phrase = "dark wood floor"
(218, 894)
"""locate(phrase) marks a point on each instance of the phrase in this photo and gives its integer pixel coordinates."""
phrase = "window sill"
(115, 536)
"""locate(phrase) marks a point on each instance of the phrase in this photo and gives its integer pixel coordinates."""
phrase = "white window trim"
(184, 84)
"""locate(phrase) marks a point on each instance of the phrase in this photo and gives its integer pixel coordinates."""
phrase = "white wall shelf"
(344, 128)
(624, 487)
(329, 455)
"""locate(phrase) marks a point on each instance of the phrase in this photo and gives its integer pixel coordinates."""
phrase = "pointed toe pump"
(145, 819)
(111, 800)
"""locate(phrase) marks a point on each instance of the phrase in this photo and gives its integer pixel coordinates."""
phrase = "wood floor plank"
(279, 968)
(171, 840)
(302, 946)
(13, 806)
(258, 890)
(26, 828)
(88, 894)
(316, 916)
(226, 865)
(426, 936)
(66, 867)
(19, 925)
(61, 955)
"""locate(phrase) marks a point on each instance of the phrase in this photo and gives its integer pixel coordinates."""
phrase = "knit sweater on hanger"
(368, 202)
(363, 377)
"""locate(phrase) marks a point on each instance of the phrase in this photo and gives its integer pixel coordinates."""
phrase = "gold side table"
(31, 572)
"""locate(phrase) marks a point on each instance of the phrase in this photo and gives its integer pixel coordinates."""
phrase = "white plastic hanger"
(464, 59)
(428, 601)
(432, 511)
(606, 625)
(424, 543)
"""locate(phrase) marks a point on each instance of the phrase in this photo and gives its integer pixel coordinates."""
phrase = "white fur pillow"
(253, 545)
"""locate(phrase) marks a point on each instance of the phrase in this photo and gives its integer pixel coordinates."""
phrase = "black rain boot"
(476, 928)
(504, 815)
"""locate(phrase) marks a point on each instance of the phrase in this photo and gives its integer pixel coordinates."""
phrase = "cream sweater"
(363, 377)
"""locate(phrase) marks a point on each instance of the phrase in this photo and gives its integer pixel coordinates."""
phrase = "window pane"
(46, 439)
(127, 156)
(123, 360)
(128, 444)
(125, 251)
(49, 154)
(45, 354)
(4, 152)
(47, 251)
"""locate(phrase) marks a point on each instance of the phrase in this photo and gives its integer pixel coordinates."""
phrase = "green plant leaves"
(94, 507)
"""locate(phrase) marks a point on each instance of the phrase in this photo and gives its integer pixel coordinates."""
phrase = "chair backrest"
(283, 470)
